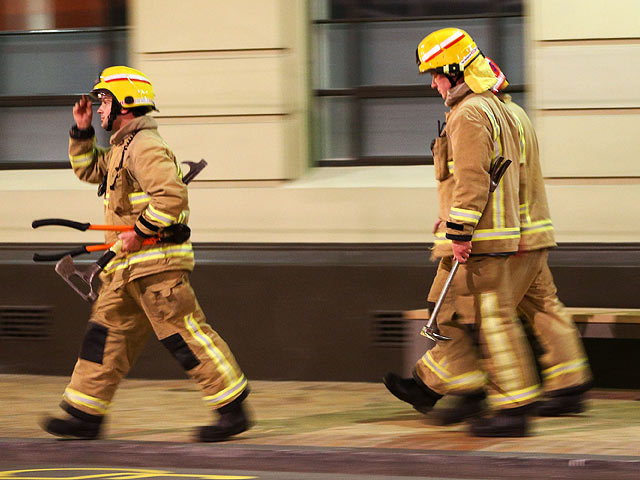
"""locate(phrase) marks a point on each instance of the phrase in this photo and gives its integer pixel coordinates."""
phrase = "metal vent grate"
(389, 329)
(25, 323)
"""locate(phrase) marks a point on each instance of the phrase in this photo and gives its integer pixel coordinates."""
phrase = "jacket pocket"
(119, 196)
(440, 158)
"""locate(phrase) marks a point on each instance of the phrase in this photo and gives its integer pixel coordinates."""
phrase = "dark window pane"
(512, 49)
(372, 9)
(402, 127)
(332, 64)
(334, 127)
(364, 56)
(388, 49)
(34, 134)
(57, 63)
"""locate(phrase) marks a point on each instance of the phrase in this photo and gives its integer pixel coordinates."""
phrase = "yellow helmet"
(447, 51)
(130, 87)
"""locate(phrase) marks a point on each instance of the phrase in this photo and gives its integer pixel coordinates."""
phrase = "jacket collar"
(457, 93)
(138, 123)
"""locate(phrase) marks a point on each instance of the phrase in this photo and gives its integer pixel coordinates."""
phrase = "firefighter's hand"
(83, 113)
(461, 250)
(131, 241)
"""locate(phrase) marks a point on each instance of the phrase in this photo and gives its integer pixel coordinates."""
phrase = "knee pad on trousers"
(181, 351)
(93, 344)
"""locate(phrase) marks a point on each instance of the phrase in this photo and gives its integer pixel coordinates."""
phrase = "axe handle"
(48, 257)
(108, 255)
(61, 222)
(443, 294)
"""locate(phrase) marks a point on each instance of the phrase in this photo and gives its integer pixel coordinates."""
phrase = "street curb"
(374, 461)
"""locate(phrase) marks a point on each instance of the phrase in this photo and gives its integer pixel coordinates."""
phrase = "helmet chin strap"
(453, 80)
(115, 111)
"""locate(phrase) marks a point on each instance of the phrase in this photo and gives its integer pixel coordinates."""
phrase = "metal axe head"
(496, 171)
(194, 170)
(81, 282)
(433, 334)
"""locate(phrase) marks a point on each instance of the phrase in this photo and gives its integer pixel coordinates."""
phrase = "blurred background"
(312, 222)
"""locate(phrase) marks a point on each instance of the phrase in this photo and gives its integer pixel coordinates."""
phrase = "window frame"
(54, 100)
(496, 12)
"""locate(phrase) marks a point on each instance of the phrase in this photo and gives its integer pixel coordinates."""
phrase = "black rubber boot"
(564, 405)
(467, 406)
(565, 401)
(232, 421)
(79, 424)
(505, 423)
(411, 390)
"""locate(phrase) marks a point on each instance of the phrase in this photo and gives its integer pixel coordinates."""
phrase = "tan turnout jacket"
(146, 191)
(479, 129)
(536, 228)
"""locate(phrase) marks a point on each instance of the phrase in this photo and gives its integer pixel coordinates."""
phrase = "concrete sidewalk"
(324, 425)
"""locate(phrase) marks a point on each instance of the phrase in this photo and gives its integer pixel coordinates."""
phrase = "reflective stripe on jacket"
(536, 228)
(147, 192)
(479, 129)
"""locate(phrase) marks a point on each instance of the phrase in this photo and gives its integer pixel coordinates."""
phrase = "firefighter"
(145, 287)
(481, 230)
(564, 367)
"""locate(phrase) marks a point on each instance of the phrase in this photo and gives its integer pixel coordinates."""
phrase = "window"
(370, 105)
(51, 52)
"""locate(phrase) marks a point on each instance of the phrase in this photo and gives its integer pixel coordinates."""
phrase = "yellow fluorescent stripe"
(437, 369)
(538, 222)
(498, 400)
(81, 156)
(78, 164)
(463, 381)
(181, 250)
(498, 206)
(73, 396)
(498, 230)
(523, 142)
(498, 342)
(138, 197)
(222, 364)
(474, 221)
(228, 393)
(566, 367)
(162, 217)
(531, 231)
(500, 237)
(464, 210)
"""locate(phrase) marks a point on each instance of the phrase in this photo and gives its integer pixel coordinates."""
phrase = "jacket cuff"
(144, 228)
(459, 238)
(82, 134)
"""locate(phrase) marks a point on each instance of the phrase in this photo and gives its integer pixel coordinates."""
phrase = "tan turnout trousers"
(121, 321)
(454, 368)
(564, 363)
(487, 343)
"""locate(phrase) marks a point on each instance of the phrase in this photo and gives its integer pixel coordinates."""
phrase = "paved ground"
(318, 429)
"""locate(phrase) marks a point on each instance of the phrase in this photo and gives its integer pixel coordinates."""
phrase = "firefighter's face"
(441, 83)
(105, 109)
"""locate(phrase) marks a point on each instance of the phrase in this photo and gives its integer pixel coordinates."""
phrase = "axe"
(175, 233)
(82, 282)
(430, 330)
(194, 170)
